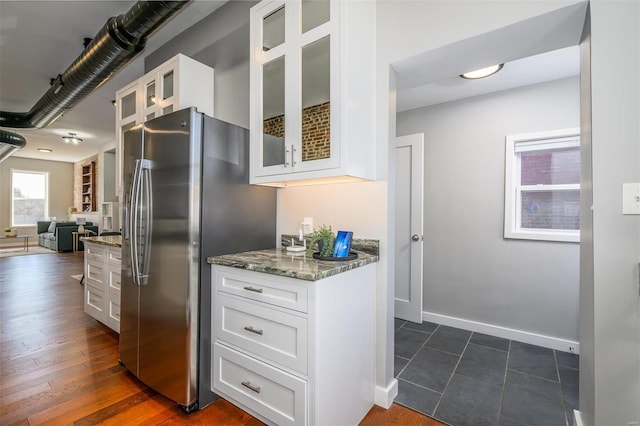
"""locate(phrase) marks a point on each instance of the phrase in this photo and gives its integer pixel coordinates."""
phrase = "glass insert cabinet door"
(274, 152)
(294, 112)
(315, 125)
(274, 149)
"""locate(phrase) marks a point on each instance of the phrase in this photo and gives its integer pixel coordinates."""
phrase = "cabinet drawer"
(95, 273)
(114, 279)
(270, 392)
(277, 336)
(113, 315)
(254, 286)
(94, 302)
(114, 256)
(94, 252)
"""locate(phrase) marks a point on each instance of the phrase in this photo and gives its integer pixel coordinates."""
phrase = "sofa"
(58, 235)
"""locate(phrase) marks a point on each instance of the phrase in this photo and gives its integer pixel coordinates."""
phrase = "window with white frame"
(29, 197)
(542, 186)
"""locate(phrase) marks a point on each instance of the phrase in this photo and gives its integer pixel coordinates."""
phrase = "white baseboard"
(504, 332)
(577, 418)
(384, 396)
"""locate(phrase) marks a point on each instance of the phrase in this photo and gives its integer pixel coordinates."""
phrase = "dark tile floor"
(465, 378)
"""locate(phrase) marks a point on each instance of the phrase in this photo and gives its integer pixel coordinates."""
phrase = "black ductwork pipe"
(9, 143)
(118, 42)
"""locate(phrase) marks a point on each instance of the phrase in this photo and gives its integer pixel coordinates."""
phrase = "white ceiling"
(40, 39)
(554, 65)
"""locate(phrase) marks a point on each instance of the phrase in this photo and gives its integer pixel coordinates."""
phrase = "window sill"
(532, 234)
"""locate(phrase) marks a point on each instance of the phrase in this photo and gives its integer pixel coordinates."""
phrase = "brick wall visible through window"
(316, 131)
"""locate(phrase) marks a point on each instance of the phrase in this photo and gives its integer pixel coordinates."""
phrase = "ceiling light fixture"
(72, 139)
(45, 150)
(482, 73)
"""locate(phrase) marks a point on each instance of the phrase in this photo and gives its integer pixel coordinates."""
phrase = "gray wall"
(586, 326)
(109, 177)
(60, 188)
(221, 40)
(615, 136)
(471, 271)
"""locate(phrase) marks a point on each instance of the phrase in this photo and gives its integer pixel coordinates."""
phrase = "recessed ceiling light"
(44, 150)
(482, 73)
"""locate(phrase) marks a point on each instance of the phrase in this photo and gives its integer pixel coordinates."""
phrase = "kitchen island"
(102, 260)
(293, 338)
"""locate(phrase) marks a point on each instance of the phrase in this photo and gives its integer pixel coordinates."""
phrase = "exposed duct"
(9, 143)
(117, 43)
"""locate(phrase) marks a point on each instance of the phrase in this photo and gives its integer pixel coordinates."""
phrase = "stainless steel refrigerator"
(186, 197)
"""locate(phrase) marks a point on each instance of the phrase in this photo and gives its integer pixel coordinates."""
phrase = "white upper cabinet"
(312, 91)
(179, 83)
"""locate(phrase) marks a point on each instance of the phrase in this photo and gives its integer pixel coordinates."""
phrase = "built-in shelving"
(109, 215)
(89, 187)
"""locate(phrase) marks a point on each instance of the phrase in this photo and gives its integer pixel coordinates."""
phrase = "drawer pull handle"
(253, 330)
(256, 389)
(255, 290)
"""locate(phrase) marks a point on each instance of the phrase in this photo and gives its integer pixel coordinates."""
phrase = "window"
(30, 197)
(542, 186)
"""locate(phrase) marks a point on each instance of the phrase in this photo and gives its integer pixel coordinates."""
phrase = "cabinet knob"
(415, 237)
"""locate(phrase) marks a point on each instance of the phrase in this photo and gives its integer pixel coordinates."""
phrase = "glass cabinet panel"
(273, 143)
(273, 29)
(150, 95)
(316, 106)
(314, 13)
(167, 85)
(128, 105)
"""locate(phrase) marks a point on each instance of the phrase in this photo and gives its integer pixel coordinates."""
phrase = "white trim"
(578, 419)
(514, 145)
(570, 236)
(550, 342)
(384, 396)
(11, 199)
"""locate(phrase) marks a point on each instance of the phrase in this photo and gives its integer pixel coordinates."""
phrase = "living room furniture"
(76, 238)
(25, 240)
(58, 236)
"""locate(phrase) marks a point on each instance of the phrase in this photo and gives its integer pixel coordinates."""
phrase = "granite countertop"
(278, 261)
(107, 240)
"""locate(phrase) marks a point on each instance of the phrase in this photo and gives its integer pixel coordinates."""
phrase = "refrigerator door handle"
(133, 222)
(147, 207)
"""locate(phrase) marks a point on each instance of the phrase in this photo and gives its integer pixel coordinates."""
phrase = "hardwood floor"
(60, 366)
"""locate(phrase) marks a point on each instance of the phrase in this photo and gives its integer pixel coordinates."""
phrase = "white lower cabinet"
(264, 389)
(295, 352)
(102, 283)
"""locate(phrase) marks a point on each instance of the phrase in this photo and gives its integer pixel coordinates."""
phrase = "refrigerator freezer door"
(168, 307)
(130, 293)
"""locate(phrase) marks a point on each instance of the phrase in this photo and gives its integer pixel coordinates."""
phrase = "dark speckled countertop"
(107, 240)
(280, 262)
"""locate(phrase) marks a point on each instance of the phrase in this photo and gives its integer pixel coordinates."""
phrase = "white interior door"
(409, 214)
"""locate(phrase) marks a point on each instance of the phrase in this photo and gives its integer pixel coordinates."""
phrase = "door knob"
(415, 237)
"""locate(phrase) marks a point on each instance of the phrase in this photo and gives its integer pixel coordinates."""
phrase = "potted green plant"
(7, 232)
(324, 239)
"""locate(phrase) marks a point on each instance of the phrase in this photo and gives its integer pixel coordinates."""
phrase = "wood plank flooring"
(59, 366)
